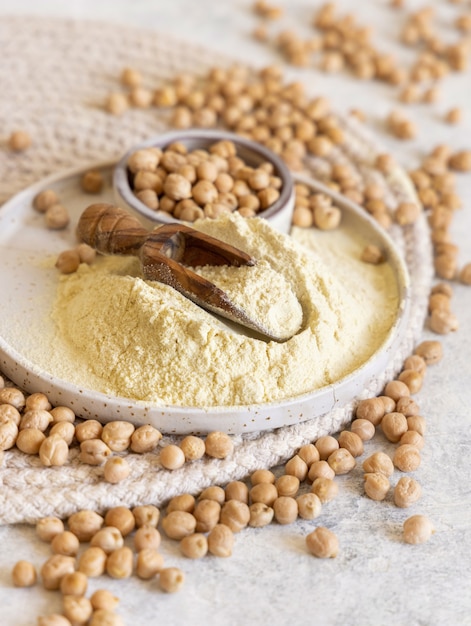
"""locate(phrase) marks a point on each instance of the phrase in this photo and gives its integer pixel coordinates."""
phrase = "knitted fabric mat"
(55, 76)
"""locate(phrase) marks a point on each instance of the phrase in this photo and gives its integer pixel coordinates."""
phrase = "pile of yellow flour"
(121, 335)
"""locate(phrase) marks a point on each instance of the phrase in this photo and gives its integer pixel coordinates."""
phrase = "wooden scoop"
(163, 253)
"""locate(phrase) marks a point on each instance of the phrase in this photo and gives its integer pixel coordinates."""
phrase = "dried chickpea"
(260, 515)
(117, 435)
(146, 515)
(102, 599)
(94, 452)
(406, 458)
(218, 445)
(341, 461)
(221, 541)
(213, 493)
(24, 574)
(297, 467)
(84, 524)
(77, 609)
(48, 527)
(322, 543)
(44, 199)
(92, 562)
(36, 418)
(62, 414)
(413, 379)
(417, 529)
(65, 543)
(29, 440)
(416, 423)
(325, 446)
(74, 584)
(108, 539)
(396, 389)
(120, 563)
(263, 476)
(54, 569)
(194, 546)
(237, 490)
(54, 451)
(309, 506)
(465, 274)
(92, 181)
(8, 435)
(430, 351)
(184, 502)
(442, 322)
(8, 413)
(89, 429)
(378, 462)
(19, 140)
(206, 514)
(172, 457)
(116, 469)
(121, 518)
(309, 454)
(66, 430)
(394, 425)
(413, 438)
(178, 524)
(13, 396)
(320, 469)
(235, 515)
(193, 448)
(103, 617)
(326, 489)
(149, 563)
(363, 428)
(376, 485)
(68, 261)
(56, 217)
(171, 579)
(406, 492)
(351, 442)
(265, 493)
(285, 510)
(146, 537)
(371, 409)
(287, 485)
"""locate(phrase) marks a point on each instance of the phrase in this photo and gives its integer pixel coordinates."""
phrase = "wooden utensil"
(164, 252)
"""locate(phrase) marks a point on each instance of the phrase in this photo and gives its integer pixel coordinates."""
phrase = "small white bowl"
(278, 214)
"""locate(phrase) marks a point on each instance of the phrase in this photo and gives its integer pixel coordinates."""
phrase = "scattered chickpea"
(102, 599)
(74, 584)
(406, 458)
(320, 469)
(117, 103)
(417, 529)
(379, 462)
(260, 515)
(146, 538)
(193, 448)
(92, 181)
(171, 579)
(221, 541)
(94, 452)
(92, 562)
(120, 563)
(363, 428)
(218, 445)
(287, 485)
(48, 527)
(351, 442)
(178, 524)
(172, 457)
(341, 461)
(24, 574)
(116, 469)
(84, 524)
(108, 539)
(77, 609)
(371, 409)
(56, 217)
(322, 543)
(149, 563)
(54, 569)
(237, 490)
(376, 485)
(430, 351)
(394, 425)
(117, 435)
(44, 199)
(406, 492)
(194, 546)
(146, 515)
(121, 518)
(372, 254)
(19, 140)
(65, 543)
(326, 445)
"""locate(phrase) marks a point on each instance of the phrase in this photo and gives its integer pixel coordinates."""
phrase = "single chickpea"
(77, 609)
(48, 527)
(376, 485)
(363, 429)
(102, 599)
(260, 515)
(396, 389)
(146, 515)
(56, 217)
(325, 446)
(116, 103)
(442, 322)
(121, 518)
(371, 409)
(341, 461)
(178, 524)
(108, 539)
(413, 379)
(117, 435)
(19, 140)
(84, 524)
(29, 440)
(309, 506)
(74, 584)
(8, 435)
(221, 541)
(378, 462)
(35, 418)
(130, 77)
(213, 493)
(262, 476)
(92, 181)
(207, 514)
(172, 457)
(149, 563)
(406, 492)
(297, 467)
(44, 199)
(24, 574)
(120, 563)
(351, 442)
(37, 401)
(148, 197)
(309, 454)
(116, 469)
(417, 529)
(413, 438)
(465, 274)
(171, 579)
(406, 458)
(92, 562)
(13, 396)
(320, 469)
(372, 254)
(62, 414)
(183, 502)
(68, 261)
(235, 515)
(192, 447)
(8, 413)
(194, 546)
(54, 569)
(237, 490)
(54, 451)
(89, 429)
(394, 425)
(430, 351)
(65, 430)
(326, 489)
(322, 543)
(285, 510)
(65, 543)
(416, 423)
(94, 452)
(218, 445)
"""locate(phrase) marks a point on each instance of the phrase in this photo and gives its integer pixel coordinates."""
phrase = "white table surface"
(376, 578)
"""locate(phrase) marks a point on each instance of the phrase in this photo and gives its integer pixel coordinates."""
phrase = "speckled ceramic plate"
(28, 286)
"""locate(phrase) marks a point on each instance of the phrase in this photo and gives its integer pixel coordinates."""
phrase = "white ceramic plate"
(28, 287)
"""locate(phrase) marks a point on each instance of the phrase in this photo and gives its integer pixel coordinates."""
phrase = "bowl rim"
(122, 188)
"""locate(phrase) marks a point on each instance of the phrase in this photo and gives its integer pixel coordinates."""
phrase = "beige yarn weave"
(55, 75)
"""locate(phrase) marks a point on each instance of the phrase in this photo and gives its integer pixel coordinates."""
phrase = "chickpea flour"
(121, 335)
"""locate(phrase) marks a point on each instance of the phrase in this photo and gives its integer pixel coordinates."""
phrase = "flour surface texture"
(119, 334)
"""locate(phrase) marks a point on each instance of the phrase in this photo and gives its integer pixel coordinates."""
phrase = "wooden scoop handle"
(111, 230)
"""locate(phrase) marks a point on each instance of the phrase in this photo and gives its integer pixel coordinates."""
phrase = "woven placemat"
(55, 76)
